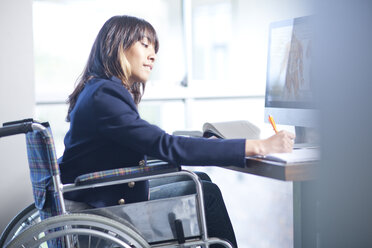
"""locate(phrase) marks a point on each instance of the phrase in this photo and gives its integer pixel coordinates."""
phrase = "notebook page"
(296, 156)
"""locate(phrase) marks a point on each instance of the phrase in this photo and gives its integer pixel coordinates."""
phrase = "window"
(212, 31)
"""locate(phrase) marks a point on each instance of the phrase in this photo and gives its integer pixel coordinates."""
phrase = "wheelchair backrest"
(43, 166)
(44, 169)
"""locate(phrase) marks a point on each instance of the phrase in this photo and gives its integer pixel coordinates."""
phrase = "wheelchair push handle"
(18, 127)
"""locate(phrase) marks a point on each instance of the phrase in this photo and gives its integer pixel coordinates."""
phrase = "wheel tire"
(93, 225)
(27, 217)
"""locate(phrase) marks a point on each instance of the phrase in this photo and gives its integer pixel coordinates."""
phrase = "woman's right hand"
(281, 142)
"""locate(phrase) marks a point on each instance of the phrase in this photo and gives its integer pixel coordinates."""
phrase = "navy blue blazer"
(106, 132)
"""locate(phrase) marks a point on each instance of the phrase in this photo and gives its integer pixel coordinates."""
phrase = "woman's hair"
(107, 59)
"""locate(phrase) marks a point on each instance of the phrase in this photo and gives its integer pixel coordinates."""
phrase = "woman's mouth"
(148, 67)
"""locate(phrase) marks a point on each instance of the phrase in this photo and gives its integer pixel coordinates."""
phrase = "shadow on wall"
(344, 58)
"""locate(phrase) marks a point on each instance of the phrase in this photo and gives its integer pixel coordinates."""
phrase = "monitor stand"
(306, 137)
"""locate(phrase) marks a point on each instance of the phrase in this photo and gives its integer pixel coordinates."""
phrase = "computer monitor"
(289, 94)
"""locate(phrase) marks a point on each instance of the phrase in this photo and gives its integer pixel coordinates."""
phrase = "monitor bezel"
(293, 113)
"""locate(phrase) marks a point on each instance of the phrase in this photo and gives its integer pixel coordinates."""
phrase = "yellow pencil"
(271, 119)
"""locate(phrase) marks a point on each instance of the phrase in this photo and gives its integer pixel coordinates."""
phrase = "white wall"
(16, 102)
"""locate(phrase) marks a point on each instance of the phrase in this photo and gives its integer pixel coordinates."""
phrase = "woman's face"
(141, 57)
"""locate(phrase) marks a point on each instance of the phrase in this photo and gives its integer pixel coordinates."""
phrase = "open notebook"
(231, 130)
(225, 130)
(296, 156)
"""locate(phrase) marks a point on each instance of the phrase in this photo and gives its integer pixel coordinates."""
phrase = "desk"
(285, 172)
(304, 203)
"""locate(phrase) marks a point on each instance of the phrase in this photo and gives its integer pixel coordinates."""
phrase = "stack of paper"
(296, 156)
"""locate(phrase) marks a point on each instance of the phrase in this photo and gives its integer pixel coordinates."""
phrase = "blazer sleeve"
(117, 119)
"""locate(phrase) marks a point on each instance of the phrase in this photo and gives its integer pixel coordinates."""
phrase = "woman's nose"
(152, 57)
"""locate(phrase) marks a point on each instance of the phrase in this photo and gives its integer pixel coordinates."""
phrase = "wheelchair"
(170, 222)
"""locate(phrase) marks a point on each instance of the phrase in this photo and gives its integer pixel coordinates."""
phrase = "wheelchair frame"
(122, 234)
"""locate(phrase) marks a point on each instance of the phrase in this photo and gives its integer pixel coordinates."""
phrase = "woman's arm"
(118, 120)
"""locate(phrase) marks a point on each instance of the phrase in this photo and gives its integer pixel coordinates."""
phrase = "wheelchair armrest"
(152, 168)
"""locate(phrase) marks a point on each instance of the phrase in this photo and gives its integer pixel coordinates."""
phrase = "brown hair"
(106, 59)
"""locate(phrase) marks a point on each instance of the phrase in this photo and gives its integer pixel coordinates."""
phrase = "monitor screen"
(289, 94)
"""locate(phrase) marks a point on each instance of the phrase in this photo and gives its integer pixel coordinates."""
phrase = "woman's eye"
(145, 45)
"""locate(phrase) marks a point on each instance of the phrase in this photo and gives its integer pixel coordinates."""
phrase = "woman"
(106, 131)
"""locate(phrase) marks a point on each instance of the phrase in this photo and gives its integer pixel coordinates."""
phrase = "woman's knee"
(212, 195)
(203, 176)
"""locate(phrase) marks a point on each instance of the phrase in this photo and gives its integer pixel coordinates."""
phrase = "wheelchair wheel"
(79, 230)
(27, 217)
